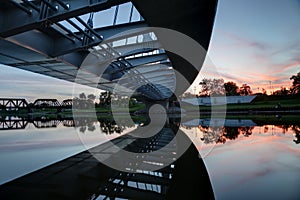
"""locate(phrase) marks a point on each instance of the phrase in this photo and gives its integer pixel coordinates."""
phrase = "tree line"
(209, 87)
(222, 134)
(218, 87)
(105, 100)
(293, 90)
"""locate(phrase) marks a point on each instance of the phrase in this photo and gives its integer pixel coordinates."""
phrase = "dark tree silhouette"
(212, 87)
(295, 89)
(231, 133)
(296, 129)
(246, 131)
(282, 92)
(82, 96)
(105, 98)
(245, 90)
(91, 97)
(231, 88)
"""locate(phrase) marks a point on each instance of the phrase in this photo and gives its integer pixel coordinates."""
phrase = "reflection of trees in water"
(223, 134)
(230, 133)
(211, 135)
(107, 125)
(285, 128)
(85, 124)
(296, 129)
(246, 131)
(110, 127)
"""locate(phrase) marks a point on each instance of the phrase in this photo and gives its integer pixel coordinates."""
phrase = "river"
(245, 158)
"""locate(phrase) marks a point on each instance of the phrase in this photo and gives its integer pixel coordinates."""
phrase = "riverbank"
(260, 105)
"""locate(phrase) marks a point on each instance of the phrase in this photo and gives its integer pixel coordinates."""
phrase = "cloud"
(241, 41)
(251, 61)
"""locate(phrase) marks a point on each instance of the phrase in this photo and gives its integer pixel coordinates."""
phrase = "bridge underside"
(55, 38)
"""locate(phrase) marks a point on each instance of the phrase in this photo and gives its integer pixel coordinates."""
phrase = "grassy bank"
(49, 111)
(260, 120)
(265, 103)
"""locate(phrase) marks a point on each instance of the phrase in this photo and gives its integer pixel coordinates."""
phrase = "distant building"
(222, 100)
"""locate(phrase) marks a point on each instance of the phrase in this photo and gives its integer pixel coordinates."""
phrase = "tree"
(82, 96)
(212, 87)
(105, 98)
(91, 97)
(80, 103)
(231, 88)
(295, 89)
(245, 90)
(282, 92)
(230, 133)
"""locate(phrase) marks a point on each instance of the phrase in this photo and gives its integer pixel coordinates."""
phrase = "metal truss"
(22, 16)
(10, 103)
(13, 124)
(53, 37)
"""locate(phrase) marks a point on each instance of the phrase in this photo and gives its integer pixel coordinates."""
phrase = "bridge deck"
(41, 42)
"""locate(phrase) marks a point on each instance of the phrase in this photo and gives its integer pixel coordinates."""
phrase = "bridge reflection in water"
(82, 176)
(10, 123)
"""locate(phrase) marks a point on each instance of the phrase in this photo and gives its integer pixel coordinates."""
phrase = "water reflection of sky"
(264, 165)
(26, 150)
(262, 162)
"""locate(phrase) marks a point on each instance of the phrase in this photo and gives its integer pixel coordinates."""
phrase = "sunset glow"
(254, 42)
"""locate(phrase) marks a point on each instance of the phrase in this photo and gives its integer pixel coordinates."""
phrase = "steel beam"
(54, 47)
(15, 21)
(139, 61)
(147, 59)
(63, 46)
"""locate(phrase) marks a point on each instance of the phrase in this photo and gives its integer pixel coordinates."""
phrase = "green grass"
(266, 103)
(121, 109)
(48, 111)
(259, 119)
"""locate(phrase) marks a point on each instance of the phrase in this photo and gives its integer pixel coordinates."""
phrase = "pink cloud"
(241, 41)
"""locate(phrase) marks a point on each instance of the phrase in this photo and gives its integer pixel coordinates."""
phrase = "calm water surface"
(26, 150)
(244, 160)
(250, 162)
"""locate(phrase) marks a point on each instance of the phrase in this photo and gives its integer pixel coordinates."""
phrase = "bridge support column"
(163, 104)
(171, 106)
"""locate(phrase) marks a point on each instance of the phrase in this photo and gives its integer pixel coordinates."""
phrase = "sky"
(255, 42)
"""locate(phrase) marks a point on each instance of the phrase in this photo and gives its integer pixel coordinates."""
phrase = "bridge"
(10, 104)
(64, 39)
(55, 37)
(13, 123)
(13, 103)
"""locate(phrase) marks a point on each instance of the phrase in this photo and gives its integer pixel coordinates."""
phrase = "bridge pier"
(170, 106)
(155, 109)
